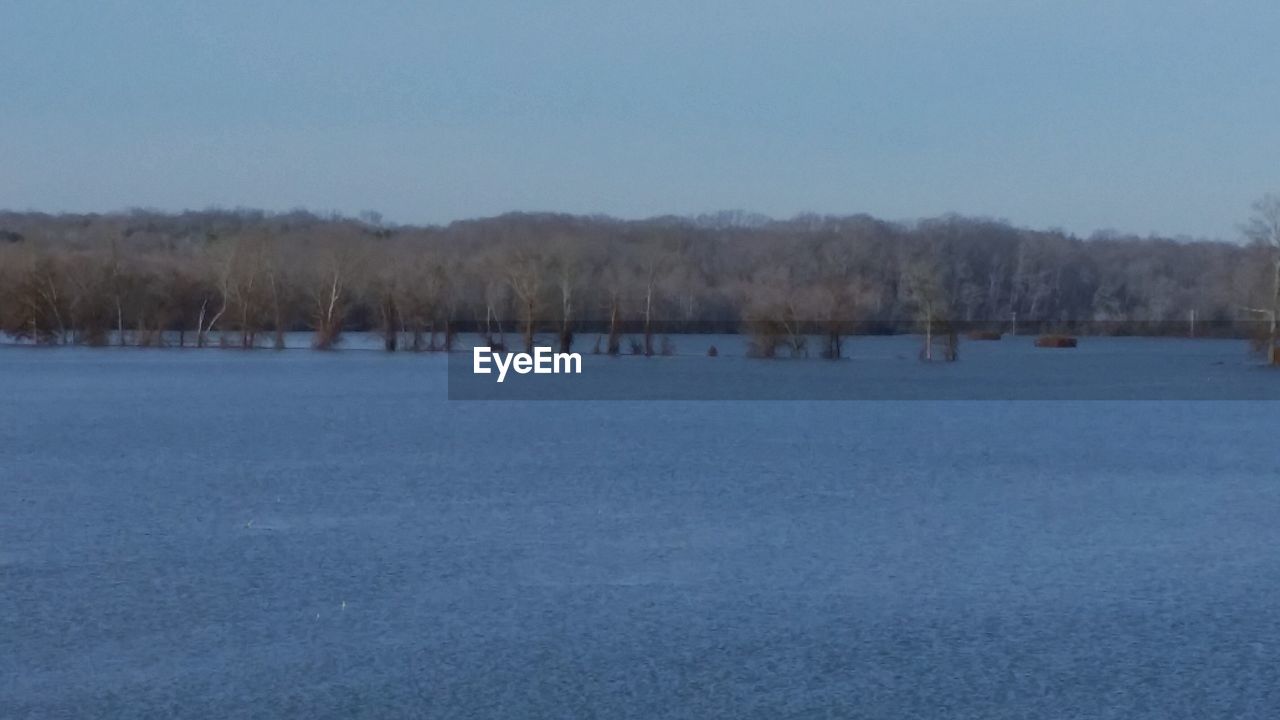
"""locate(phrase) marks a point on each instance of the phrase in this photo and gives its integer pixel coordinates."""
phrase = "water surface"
(225, 534)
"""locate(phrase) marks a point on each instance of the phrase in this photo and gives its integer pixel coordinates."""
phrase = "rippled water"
(219, 534)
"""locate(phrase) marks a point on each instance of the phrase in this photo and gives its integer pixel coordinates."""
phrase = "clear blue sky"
(1140, 115)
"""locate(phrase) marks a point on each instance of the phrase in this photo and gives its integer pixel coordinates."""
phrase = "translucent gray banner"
(892, 368)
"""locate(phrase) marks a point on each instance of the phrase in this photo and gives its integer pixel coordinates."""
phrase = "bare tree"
(654, 259)
(120, 284)
(381, 291)
(1263, 229)
(37, 297)
(88, 297)
(524, 273)
(275, 267)
(418, 281)
(776, 306)
(188, 292)
(924, 285)
(329, 277)
(247, 291)
(566, 260)
(217, 265)
(449, 294)
(834, 298)
(613, 290)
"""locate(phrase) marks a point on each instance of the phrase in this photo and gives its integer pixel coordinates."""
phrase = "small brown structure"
(984, 335)
(1055, 341)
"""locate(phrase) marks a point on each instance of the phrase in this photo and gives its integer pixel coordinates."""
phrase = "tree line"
(244, 278)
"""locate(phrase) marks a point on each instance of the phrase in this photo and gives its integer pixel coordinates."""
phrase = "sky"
(1143, 116)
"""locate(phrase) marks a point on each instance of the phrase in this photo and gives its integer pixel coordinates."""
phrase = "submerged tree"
(328, 280)
(34, 297)
(381, 290)
(925, 289)
(652, 259)
(834, 298)
(524, 272)
(566, 262)
(1263, 229)
(775, 313)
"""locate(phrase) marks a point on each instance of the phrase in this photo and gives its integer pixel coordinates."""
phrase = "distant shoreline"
(88, 278)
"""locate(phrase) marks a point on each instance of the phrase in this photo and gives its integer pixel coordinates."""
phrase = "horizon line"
(754, 219)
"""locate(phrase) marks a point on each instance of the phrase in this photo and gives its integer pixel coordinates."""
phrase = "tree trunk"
(200, 324)
(1275, 310)
(528, 327)
(648, 328)
(119, 323)
(566, 333)
(928, 335)
(390, 335)
(615, 338)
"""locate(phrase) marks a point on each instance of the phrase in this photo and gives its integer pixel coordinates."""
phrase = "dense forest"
(242, 278)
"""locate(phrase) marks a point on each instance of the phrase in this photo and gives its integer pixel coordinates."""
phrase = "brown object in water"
(1055, 341)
